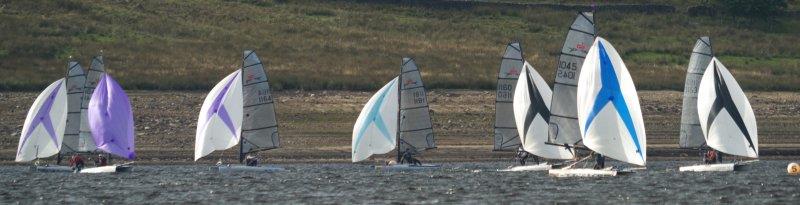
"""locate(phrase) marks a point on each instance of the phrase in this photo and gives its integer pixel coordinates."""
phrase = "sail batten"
(506, 136)
(563, 127)
(44, 127)
(416, 128)
(260, 126)
(532, 113)
(608, 106)
(691, 134)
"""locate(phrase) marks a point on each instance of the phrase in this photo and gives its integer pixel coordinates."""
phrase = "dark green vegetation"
(358, 45)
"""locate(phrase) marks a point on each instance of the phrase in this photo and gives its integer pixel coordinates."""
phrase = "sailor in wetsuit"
(76, 162)
(408, 157)
(600, 161)
(522, 155)
(712, 157)
(249, 160)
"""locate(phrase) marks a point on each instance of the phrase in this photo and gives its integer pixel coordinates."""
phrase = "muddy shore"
(316, 126)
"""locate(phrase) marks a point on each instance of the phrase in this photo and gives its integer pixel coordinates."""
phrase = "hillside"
(358, 45)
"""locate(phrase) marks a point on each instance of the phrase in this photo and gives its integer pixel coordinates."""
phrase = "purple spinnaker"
(111, 119)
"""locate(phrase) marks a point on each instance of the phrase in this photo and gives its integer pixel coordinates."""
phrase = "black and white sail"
(260, 126)
(725, 114)
(564, 115)
(416, 128)
(532, 112)
(691, 132)
(505, 129)
(76, 79)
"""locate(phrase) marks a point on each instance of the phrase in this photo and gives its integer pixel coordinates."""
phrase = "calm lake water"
(764, 182)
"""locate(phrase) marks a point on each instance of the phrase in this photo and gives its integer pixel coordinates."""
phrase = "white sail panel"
(725, 114)
(43, 130)
(76, 79)
(220, 121)
(375, 131)
(608, 106)
(505, 130)
(691, 134)
(532, 112)
(416, 128)
(564, 119)
(96, 70)
(260, 126)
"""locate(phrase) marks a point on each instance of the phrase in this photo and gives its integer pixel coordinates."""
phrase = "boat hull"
(536, 167)
(108, 169)
(583, 172)
(408, 167)
(725, 167)
(51, 168)
(243, 168)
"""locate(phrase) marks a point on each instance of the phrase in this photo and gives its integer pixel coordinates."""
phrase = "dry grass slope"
(357, 45)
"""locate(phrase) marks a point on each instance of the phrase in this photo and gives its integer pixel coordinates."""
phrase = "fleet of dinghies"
(70, 116)
(593, 107)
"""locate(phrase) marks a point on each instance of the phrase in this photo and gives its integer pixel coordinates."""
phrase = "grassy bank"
(358, 45)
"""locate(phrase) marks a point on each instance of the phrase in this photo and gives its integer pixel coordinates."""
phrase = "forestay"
(375, 131)
(416, 129)
(691, 132)
(44, 126)
(96, 70)
(111, 119)
(725, 114)
(260, 127)
(564, 116)
(608, 106)
(220, 121)
(505, 129)
(532, 112)
(76, 79)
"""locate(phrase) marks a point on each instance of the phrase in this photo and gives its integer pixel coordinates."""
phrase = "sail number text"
(567, 69)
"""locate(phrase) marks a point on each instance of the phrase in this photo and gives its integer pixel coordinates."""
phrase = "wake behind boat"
(239, 110)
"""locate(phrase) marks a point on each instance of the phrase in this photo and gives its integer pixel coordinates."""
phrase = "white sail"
(691, 133)
(505, 130)
(375, 131)
(76, 79)
(532, 113)
(219, 124)
(44, 127)
(260, 126)
(608, 106)
(96, 70)
(725, 114)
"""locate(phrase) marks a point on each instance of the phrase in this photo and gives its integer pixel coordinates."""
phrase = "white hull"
(584, 172)
(408, 167)
(537, 167)
(108, 169)
(51, 168)
(243, 168)
(726, 167)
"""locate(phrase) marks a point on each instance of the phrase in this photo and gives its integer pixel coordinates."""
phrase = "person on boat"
(76, 162)
(101, 161)
(408, 157)
(250, 160)
(523, 155)
(600, 161)
(711, 157)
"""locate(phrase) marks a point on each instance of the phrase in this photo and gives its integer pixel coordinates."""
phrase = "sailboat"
(609, 114)
(506, 137)
(110, 120)
(726, 117)
(395, 118)
(564, 129)
(532, 113)
(239, 110)
(43, 131)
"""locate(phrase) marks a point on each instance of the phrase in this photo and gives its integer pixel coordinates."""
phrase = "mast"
(241, 139)
(399, 107)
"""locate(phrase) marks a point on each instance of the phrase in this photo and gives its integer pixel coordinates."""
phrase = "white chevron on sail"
(725, 113)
